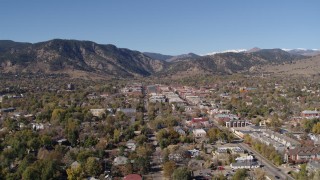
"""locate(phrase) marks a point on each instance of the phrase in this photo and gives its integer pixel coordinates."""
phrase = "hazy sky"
(166, 26)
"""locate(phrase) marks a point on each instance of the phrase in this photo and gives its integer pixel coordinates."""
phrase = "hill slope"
(68, 56)
(308, 66)
(87, 58)
(228, 63)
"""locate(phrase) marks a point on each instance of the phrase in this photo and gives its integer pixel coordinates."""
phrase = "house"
(282, 138)
(70, 86)
(237, 123)
(98, 112)
(179, 130)
(37, 126)
(132, 177)
(131, 145)
(120, 160)
(157, 98)
(176, 157)
(11, 109)
(128, 111)
(245, 158)
(199, 133)
(193, 99)
(315, 138)
(194, 152)
(63, 142)
(198, 123)
(310, 114)
(302, 154)
(75, 165)
(245, 165)
(232, 150)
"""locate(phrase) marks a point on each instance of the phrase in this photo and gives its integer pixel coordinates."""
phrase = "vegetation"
(267, 151)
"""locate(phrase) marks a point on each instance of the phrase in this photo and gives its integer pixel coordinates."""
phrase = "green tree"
(116, 135)
(31, 173)
(75, 173)
(181, 173)
(240, 174)
(93, 167)
(72, 131)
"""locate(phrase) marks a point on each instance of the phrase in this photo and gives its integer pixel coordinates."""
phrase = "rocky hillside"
(72, 57)
(309, 66)
(86, 58)
(228, 63)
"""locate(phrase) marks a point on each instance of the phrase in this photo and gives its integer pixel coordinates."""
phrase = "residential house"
(245, 165)
(131, 145)
(199, 133)
(179, 130)
(157, 98)
(128, 111)
(194, 152)
(132, 177)
(310, 114)
(120, 160)
(98, 112)
(302, 154)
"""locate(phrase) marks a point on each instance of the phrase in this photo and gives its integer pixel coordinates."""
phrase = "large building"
(310, 114)
(237, 123)
(302, 154)
(199, 133)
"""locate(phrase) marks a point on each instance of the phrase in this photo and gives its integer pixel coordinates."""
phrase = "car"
(277, 177)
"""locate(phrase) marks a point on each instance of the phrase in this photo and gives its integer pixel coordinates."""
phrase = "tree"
(31, 173)
(259, 174)
(219, 177)
(303, 174)
(116, 135)
(181, 173)
(57, 115)
(316, 128)
(316, 176)
(213, 134)
(240, 174)
(142, 164)
(75, 173)
(168, 168)
(93, 167)
(72, 131)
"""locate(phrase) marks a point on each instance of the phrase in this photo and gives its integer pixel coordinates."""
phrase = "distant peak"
(255, 49)
(231, 50)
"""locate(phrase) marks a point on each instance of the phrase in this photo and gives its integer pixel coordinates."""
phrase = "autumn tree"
(168, 168)
(181, 173)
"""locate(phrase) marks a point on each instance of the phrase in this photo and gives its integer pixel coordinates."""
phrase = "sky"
(166, 26)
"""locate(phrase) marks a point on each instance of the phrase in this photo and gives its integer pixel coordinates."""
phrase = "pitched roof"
(303, 151)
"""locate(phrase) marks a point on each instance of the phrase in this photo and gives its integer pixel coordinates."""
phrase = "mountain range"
(86, 58)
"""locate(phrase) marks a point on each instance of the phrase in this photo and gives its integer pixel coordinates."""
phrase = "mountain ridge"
(76, 57)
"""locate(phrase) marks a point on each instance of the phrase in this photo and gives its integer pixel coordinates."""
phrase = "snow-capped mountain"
(303, 51)
(231, 50)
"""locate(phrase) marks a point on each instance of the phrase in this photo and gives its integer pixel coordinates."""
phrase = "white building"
(97, 112)
(199, 133)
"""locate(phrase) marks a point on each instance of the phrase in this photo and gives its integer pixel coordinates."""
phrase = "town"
(221, 127)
